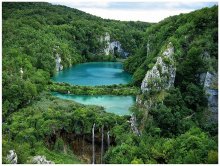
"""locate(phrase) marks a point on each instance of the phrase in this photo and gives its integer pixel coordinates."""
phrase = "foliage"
(34, 34)
(192, 35)
(193, 146)
(51, 118)
(96, 90)
(172, 128)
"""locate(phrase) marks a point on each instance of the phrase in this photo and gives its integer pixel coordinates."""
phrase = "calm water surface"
(114, 104)
(97, 73)
(94, 73)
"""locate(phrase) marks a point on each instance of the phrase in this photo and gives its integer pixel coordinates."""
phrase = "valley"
(79, 89)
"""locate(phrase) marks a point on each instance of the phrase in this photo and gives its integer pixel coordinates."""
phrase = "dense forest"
(177, 127)
(33, 33)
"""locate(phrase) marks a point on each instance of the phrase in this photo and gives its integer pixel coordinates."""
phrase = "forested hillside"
(179, 93)
(195, 32)
(35, 33)
(174, 64)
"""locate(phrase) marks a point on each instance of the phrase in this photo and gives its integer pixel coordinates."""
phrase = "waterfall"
(102, 143)
(93, 144)
(64, 147)
(21, 72)
(108, 138)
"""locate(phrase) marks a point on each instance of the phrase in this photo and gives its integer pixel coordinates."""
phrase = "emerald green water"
(114, 104)
(94, 73)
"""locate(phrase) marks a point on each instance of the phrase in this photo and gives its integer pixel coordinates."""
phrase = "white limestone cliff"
(106, 40)
(133, 122)
(162, 75)
(59, 66)
(210, 82)
(111, 47)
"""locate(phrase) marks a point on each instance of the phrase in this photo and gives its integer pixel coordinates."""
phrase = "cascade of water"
(102, 143)
(21, 72)
(108, 136)
(93, 144)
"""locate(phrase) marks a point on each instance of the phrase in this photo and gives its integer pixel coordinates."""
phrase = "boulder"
(12, 157)
(40, 160)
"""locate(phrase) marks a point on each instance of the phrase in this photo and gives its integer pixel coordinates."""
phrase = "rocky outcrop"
(162, 75)
(210, 82)
(59, 66)
(58, 59)
(106, 40)
(113, 47)
(138, 100)
(134, 125)
(12, 157)
(40, 160)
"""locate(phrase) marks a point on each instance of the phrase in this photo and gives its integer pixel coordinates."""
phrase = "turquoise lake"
(115, 104)
(93, 74)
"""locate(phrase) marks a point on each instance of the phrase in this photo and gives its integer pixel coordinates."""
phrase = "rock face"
(40, 160)
(162, 75)
(134, 125)
(12, 157)
(209, 80)
(59, 67)
(106, 39)
(113, 47)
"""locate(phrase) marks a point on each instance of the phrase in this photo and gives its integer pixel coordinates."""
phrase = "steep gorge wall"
(194, 37)
(161, 77)
(162, 74)
(209, 81)
(112, 47)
